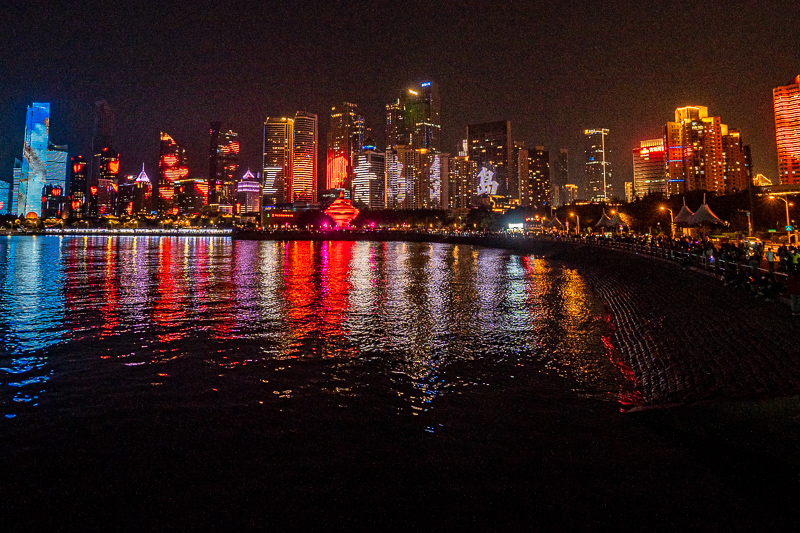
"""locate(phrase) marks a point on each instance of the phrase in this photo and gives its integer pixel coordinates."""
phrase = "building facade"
(304, 171)
(734, 164)
(786, 103)
(649, 169)
(346, 134)
(277, 161)
(33, 170)
(223, 165)
(172, 167)
(598, 165)
(489, 145)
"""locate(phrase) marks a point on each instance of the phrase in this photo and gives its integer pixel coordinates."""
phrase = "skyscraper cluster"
(696, 152)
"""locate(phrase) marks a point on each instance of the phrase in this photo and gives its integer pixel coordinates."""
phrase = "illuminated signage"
(426, 84)
(486, 182)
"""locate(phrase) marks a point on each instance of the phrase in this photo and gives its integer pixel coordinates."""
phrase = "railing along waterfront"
(698, 260)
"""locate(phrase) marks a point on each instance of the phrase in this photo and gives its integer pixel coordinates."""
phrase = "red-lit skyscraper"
(277, 161)
(345, 136)
(171, 167)
(786, 100)
(304, 171)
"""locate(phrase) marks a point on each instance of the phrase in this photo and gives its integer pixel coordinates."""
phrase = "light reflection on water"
(267, 321)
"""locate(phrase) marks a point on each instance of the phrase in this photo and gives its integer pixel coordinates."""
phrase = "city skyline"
(482, 75)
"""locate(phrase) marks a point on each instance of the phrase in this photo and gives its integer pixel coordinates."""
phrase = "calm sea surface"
(203, 383)
(153, 320)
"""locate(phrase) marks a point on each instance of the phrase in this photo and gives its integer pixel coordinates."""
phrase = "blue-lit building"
(5, 195)
(33, 176)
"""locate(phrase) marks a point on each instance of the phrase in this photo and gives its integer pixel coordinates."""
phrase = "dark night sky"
(552, 68)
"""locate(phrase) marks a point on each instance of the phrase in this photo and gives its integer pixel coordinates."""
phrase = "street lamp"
(579, 223)
(788, 224)
(671, 221)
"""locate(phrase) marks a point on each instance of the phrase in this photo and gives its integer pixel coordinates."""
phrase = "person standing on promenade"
(770, 255)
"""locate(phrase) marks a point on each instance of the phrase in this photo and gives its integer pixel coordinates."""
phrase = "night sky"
(551, 68)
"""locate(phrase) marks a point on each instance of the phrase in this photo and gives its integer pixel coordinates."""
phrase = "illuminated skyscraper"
(223, 164)
(5, 196)
(733, 154)
(786, 102)
(649, 168)
(248, 194)
(78, 185)
(107, 181)
(395, 130)
(277, 161)
(171, 168)
(461, 182)
(400, 175)
(414, 119)
(694, 156)
(142, 201)
(489, 146)
(33, 172)
(369, 179)
(304, 171)
(534, 165)
(345, 137)
(430, 183)
(598, 165)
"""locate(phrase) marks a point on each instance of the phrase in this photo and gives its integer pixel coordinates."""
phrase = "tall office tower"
(673, 157)
(142, 201)
(171, 168)
(786, 101)
(414, 120)
(277, 161)
(78, 184)
(107, 181)
(430, 183)
(16, 178)
(5, 195)
(461, 182)
(369, 178)
(703, 163)
(304, 172)
(102, 138)
(223, 164)
(534, 167)
(248, 194)
(345, 137)
(490, 147)
(649, 168)
(400, 177)
(598, 165)
(518, 172)
(56, 168)
(33, 172)
(694, 157)
(735, 169)
(395, 130)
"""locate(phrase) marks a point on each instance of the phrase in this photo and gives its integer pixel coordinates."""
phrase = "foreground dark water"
(190, 382)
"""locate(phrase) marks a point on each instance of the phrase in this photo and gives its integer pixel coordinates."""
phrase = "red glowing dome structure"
(342, 211)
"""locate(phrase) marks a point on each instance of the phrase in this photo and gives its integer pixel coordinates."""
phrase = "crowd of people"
(764, 270)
